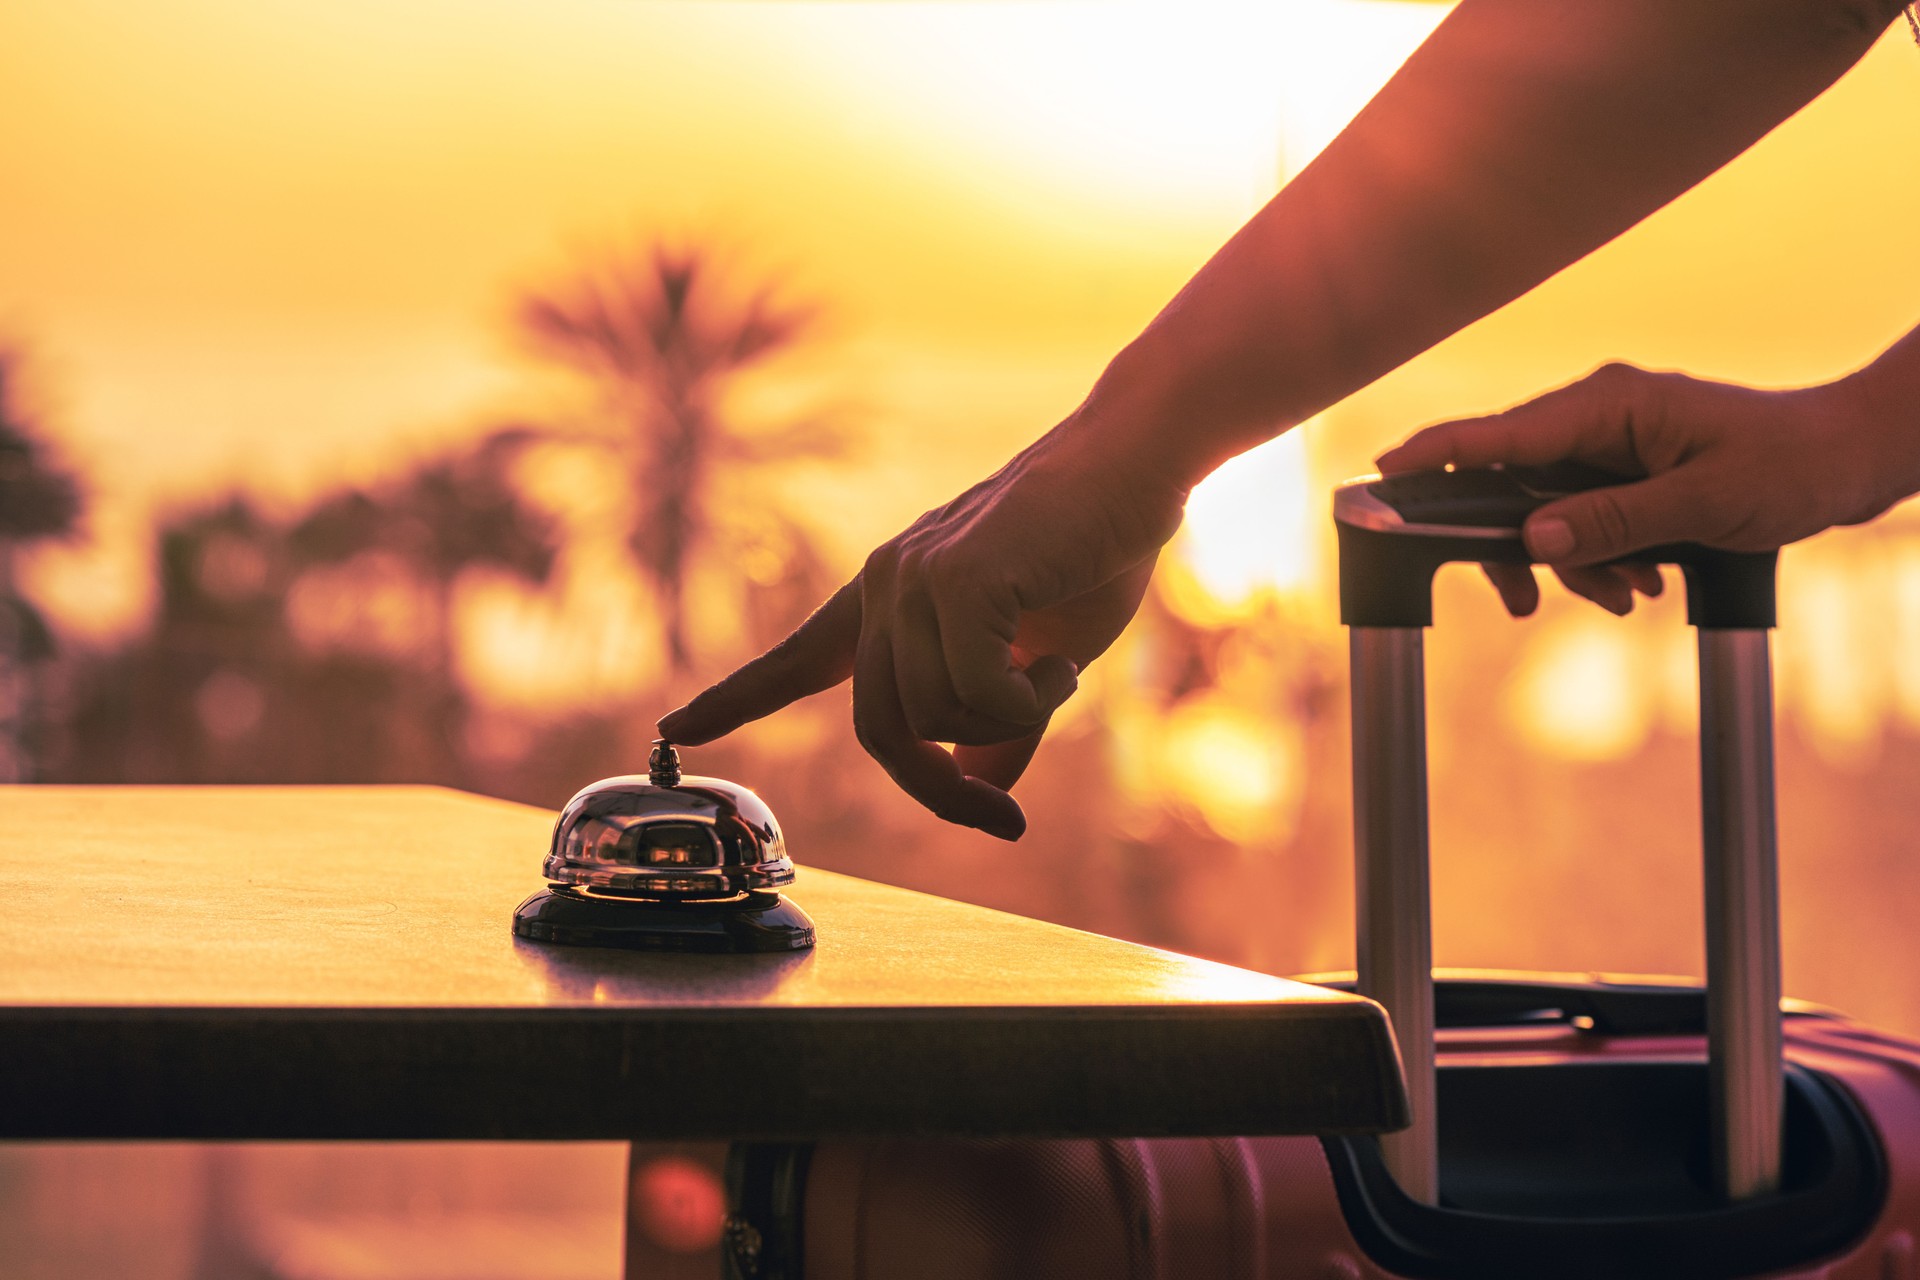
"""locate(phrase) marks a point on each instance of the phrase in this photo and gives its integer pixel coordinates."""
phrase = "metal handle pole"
(1394, 932)
(1743, 910)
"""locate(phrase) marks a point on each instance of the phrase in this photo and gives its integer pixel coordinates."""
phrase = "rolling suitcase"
(1563, 1126)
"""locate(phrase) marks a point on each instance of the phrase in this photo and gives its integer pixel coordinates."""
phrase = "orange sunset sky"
(276, 244)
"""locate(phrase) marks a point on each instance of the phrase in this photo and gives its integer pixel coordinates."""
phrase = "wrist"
(1145, 416)
(1878, 413)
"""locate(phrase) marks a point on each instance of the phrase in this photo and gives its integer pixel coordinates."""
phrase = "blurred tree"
(185, 701)
(442, 518)
(663, 339)
(38, 501)
(438, 521)
(274, 656)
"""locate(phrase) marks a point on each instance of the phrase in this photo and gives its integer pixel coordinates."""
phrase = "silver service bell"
(666, 862)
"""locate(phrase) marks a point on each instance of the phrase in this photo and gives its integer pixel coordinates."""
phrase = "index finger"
(1578, 422)
(818, 655)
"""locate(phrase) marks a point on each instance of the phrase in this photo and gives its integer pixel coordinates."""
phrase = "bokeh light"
(679, 1203)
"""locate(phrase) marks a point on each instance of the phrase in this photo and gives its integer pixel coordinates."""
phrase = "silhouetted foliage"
(662, 339)
(440, 519)
(322, 645)
(226, 687)
(38, 500)
(443, 517)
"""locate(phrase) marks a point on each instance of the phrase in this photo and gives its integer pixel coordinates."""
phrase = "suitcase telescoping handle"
(1393, 535)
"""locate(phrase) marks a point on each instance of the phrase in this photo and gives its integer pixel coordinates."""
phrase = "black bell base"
(757, 921)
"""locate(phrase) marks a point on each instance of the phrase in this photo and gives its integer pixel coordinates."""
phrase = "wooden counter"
(336, 962)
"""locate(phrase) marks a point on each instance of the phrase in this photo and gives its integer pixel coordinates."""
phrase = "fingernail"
(1549, 540)
(670, 722)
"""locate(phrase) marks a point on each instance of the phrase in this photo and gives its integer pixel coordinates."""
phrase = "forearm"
(1519, 138)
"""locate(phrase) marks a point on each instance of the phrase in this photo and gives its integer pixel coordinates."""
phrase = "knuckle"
(1609, 521)
(1666, 388)
(937, 570)
(951, 574)
(880, 562)
(1615, 380)
(1636, 403)
(910, 564)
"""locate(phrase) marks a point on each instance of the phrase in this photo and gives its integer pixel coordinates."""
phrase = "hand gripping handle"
(1396, 532)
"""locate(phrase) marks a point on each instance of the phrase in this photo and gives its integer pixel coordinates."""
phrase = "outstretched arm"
(1521, 136)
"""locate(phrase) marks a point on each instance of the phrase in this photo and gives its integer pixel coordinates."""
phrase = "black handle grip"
(1396, 533)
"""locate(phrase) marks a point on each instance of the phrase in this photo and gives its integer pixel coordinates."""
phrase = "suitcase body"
(1284, 1208)
(1564, 1127)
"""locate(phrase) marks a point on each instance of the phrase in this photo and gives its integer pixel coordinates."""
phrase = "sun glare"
(1237, 767)
(1159, 103)
(584, 644)
(1253, 526)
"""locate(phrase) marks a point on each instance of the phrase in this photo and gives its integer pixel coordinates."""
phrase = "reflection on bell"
(666, 863)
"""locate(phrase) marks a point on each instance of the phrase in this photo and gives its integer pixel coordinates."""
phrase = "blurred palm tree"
(662, 339)
(444, 517)
(439, 520)
(38, 501)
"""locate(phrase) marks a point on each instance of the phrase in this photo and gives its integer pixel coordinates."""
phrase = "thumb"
(1605, 524)
(1054, 680)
